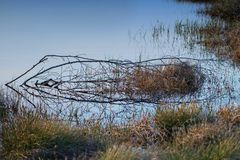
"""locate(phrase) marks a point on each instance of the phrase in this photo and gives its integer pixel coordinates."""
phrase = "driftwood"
(75, 78)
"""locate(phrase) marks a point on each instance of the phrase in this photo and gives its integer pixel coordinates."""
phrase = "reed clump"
(172, 79)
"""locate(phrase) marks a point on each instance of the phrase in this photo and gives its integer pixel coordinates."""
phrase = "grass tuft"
(35, 137)
(173, 79)
(170, 120)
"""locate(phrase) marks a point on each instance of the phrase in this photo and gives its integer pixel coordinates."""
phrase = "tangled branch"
(75, 78)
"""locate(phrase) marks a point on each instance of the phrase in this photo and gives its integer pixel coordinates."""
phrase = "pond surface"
(31, 29)
(136, 30)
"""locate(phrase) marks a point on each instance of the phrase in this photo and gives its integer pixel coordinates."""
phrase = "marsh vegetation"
(183, 131)
(98, 109)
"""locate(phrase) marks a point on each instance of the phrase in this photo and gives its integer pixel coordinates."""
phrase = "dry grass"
(229, 116)
(227, 148)
(33, 136)
(200, 134)
(174, 132)
(173, 79)
(170, 120)
(36, 137)
(206, 141)
(144, 133)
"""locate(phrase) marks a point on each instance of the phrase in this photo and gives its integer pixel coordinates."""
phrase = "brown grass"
(201, 134)
(170, 120)
(229, 116)
(173, 79)
(32, 136)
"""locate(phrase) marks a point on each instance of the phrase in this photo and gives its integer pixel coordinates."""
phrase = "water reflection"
(195, 39)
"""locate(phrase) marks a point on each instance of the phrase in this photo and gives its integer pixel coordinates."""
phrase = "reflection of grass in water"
(225, 9)
(217, 36)
(221, 34)
(208, 34)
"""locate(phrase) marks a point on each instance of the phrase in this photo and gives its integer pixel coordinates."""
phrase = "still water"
(136, 30)
(107, 29)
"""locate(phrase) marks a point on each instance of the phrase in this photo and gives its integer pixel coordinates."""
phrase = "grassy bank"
(185, 131)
